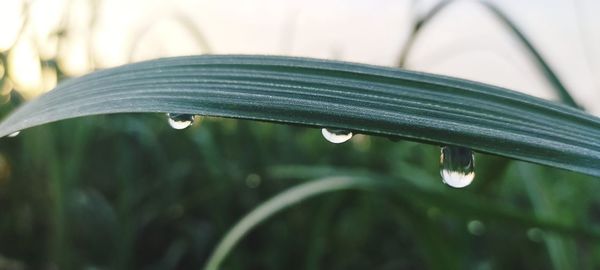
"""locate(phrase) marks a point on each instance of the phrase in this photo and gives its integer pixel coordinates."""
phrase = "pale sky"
(464, 41)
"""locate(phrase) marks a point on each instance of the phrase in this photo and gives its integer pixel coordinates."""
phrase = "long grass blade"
(319, 93)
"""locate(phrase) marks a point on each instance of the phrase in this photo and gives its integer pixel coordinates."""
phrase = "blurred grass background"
(129, 192)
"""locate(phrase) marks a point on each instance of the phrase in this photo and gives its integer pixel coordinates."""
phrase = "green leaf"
(320, 93)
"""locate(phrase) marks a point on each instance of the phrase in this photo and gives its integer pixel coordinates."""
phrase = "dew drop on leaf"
(180, 121)
(336, 135)
(14, 134)
(457, 166)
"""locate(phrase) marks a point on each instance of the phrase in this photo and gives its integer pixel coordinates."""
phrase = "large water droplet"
(336, 135)
(180, 121)
(457, 166)
(14, 134)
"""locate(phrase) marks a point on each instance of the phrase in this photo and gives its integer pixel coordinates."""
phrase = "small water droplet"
(14, 134)
(180, 121)
(457, 166)
(336, 135)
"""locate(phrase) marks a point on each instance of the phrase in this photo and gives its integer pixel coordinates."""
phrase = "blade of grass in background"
(543, 66)
(419, 22)
(562, 251)
(274, 205)
(185, 22)
(460, 204)
(465, 204)
(320, 93)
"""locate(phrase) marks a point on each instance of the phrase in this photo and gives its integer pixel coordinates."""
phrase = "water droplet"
(180, 121)
(336, 135)
(457, 166)
(14, 134)
(476, 227)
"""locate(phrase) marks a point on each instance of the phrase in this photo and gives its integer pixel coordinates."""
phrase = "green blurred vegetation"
(128, 192)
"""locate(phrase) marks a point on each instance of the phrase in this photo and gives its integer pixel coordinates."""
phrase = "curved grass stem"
(275, 205)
